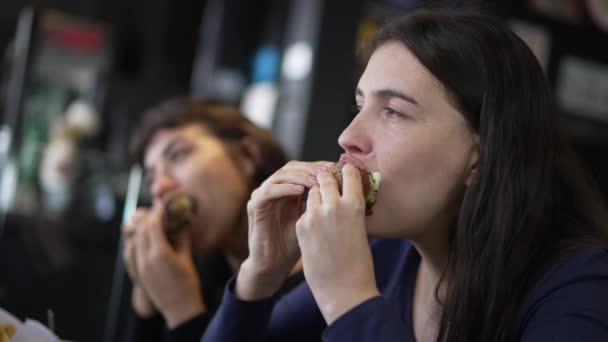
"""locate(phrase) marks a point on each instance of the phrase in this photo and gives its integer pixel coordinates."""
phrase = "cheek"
(420, 186)
(221, 192)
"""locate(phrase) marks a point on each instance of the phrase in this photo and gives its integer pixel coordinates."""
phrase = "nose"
(162, 184)
(355, 138)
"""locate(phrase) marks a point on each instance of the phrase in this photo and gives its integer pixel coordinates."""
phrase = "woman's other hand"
(167, 273)
(141, 303)
(272, 213)
(336, 257)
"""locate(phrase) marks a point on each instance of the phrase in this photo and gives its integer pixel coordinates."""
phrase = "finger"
(304, 169)
(309, 167)
(293, 177)
(183, 244)
(129, 261)
(275, 191)
(128, 231)
(142, 246)
(134, 221)
(314, 200)
(351, 182)
(328, 188)
(157, 237)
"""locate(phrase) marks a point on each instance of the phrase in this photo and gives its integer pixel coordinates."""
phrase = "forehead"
(393, 66)
(166, 136)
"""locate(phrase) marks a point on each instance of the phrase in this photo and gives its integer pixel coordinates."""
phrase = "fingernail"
(313, 180)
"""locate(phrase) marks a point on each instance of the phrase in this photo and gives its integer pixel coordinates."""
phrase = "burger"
(179, 209)
(370, 183)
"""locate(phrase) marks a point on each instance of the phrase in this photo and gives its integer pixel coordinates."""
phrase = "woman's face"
(407, 130)
(192, 160)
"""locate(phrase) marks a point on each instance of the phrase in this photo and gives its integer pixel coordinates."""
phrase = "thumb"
(183, 244)
(157, 235)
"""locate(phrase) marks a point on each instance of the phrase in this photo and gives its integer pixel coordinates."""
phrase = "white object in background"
(57, 172)
(34, 331)
(582, 88)
(57, 167)
(297, 63)
(5, 142)
(82, 116)
(259, 103)
(6, 318)
(8, 184)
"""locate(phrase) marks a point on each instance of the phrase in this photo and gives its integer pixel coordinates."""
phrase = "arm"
(239, 320)
(190, 330)
(373, 320)
(272, 213)
(144, 329)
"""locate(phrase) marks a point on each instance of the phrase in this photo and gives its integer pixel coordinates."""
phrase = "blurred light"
(5, 142)
(266, 63)
(8, 185)
(259, 103)
(105, 206)
(298, 61)
(227, 84)
(81, 116)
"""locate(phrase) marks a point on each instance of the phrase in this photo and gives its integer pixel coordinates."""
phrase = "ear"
(251, 156)
(473, 162)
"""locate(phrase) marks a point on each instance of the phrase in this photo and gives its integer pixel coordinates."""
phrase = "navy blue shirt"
(568, 303)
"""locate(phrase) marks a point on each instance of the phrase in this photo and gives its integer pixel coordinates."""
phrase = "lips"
(347, 158)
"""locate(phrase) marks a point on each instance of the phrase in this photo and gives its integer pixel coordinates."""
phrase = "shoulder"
(574, 286)
(581, 265)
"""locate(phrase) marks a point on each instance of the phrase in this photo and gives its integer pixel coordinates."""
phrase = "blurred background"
(76, 74)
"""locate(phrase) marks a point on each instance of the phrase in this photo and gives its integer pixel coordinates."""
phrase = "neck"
(433, 252)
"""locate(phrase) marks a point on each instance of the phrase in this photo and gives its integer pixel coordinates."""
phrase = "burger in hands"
(179, 209)
(370, 183)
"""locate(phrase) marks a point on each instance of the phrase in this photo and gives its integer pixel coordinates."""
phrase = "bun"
(370, 182)
(179, 210)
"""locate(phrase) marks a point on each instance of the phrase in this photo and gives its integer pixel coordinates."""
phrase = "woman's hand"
(167, 273)
(272, 213)
(337, 260)
(141, 303)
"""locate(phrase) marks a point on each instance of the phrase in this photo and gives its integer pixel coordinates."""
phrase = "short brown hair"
(222, 120)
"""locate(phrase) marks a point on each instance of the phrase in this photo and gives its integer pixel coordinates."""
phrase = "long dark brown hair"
(530, 201)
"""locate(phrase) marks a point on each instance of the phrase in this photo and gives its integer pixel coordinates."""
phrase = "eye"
(390, 112)
(356, 108)
(179, 154)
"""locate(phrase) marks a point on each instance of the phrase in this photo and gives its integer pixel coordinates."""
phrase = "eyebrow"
(170, 146)
(388, 93)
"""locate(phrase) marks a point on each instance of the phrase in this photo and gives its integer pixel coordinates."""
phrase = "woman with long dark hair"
(487, 228)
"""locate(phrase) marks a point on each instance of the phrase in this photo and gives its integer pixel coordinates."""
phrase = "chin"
(377, 227)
